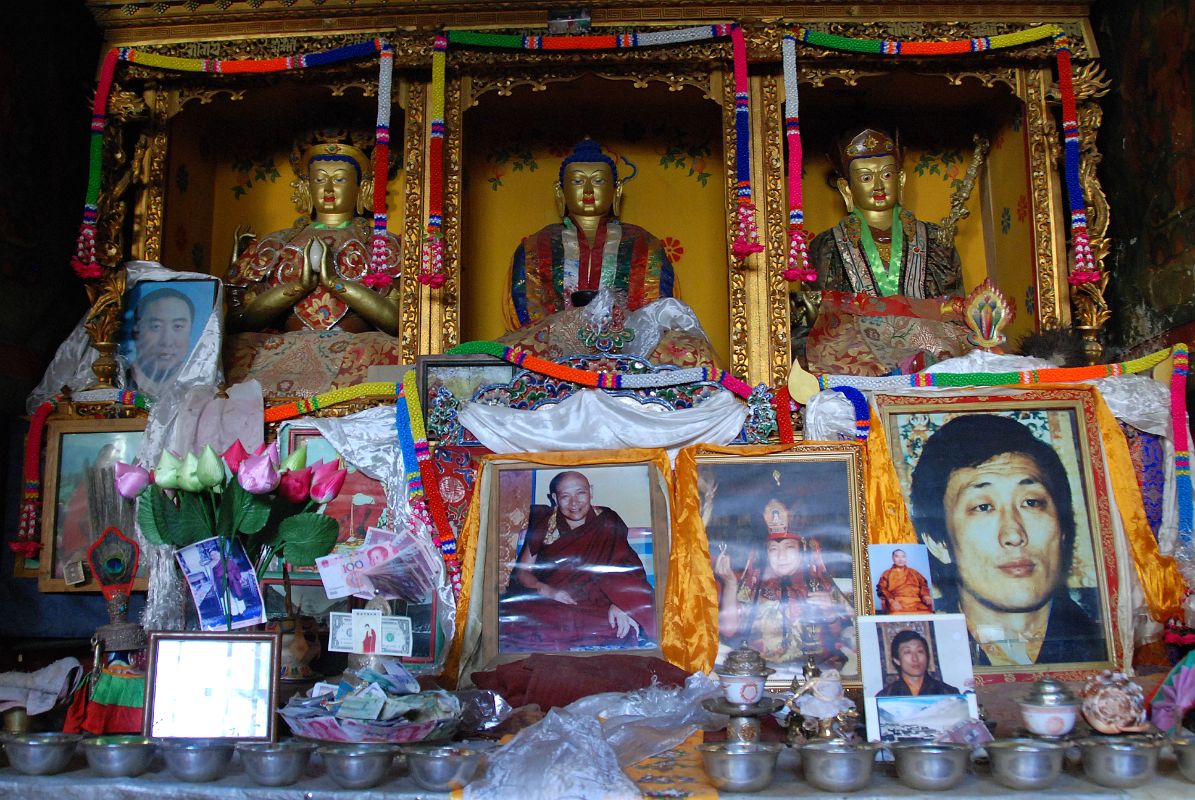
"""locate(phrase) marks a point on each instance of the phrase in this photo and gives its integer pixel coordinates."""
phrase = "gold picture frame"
(1079, 586)
(212, 685)
(528, 534)
(786, 529)
(68, 524)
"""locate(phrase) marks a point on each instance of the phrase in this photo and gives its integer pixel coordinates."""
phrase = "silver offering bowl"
(931, 766)
(275, 763)
(40, 753)
(1184, 751)
(838, 766)
(1119, 762)
(358, 766)
(442, 769)
(118, 756)
(1026, 764)
(197, 760)
(740, 766)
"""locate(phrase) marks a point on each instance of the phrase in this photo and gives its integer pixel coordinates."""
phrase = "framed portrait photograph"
(576, 559)
(80, 499)
(445, 380)
(218, 685)
(160, 326)
(787, 540)
(917, 677)
(1009, 496)
(360, 505)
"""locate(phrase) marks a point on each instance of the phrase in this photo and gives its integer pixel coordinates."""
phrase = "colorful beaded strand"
(28, 541)
(1182, 444)
(746, 240)
(797, 266)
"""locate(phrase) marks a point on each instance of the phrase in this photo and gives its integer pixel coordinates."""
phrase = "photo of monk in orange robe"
(577, 583)
(902, 589)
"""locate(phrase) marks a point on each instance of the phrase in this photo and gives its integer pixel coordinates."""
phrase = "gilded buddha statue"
(319, 275)
(867, 251)
(557, 271)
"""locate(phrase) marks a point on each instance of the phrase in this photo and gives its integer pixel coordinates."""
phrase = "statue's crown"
(336, 145)
(776, 517)
(867, 143)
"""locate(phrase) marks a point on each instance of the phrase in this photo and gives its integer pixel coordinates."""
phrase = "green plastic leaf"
(305, 537)
(250, 511)
(148, 520)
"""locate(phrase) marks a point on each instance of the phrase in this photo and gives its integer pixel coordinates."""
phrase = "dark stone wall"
(1148, 143)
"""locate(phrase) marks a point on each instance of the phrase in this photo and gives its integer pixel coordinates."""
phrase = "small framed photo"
(575, 558)
(917, 678)
(787, 534)
(212, 685)
(360, 505)
(160, 326)
(1009, 495)
(901, 582)
(447, 380)
(80, 458)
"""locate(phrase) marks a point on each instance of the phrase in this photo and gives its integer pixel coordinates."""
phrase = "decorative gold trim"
(414, 214)
(445, 302)
(504, 82)
(772, 202)
(1053, 307)
(1091, 306)
(740, 326)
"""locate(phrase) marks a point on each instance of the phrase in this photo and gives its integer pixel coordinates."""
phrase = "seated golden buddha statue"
(876, 305)
(319, 275)
(867, 251)
(592, 255)
(311, 307)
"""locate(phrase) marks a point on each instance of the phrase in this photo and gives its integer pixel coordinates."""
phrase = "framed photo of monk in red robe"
(787, 544)
(577, 559)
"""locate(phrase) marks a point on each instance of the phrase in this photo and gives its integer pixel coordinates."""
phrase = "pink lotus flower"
(327, 481)
(130, 479)
(270, 450)
(234, 455)
(258, 474)
(295, 484)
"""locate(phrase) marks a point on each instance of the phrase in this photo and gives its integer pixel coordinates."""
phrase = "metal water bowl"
(118, 756)
(40, 753)
(740, 766)
(1026, 764)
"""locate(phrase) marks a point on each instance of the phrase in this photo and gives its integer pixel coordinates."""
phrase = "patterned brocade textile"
(306, 363)
(1149, 464)
(857, 334)
(675, 773)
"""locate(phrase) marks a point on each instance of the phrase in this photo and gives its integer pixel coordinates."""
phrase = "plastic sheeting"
(591, 419)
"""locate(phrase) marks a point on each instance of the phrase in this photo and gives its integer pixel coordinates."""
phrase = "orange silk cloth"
(903, 590)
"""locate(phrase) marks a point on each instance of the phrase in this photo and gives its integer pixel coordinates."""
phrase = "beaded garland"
(431, 266)
(423, 491)
(84, 261)
(783, 403)
(747, 238)
(862, 410)
(604, 380)
(1182, 445)
(1084, 269)
(28, 543)
(308, 405)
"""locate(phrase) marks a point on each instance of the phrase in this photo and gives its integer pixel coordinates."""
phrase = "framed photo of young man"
(575, 550)
(1009, 496)
(787, 545)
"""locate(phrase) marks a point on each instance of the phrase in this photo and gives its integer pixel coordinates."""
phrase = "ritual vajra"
(492, 406)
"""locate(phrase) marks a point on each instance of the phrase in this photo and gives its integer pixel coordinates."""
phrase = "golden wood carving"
(1049, 231)
(446, 302)
(740, 327)
(1091, 306)
(102, 322)
(505, 82)
(414, 214)
(772, 201)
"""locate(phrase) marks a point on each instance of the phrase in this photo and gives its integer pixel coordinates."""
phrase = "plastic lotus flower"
(272, 508)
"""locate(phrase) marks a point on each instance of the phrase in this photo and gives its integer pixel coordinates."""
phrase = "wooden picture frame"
(787, 536)
(68, 524)
(1027, 578)
(459, 376)
(213, 685)
(626, 526)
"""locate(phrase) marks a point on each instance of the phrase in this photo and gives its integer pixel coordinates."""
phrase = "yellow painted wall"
(1009, 221)
(667, 143)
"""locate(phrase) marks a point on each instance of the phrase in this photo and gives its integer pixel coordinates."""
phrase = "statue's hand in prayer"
(242, 237)
(621, 622)
(723, 569)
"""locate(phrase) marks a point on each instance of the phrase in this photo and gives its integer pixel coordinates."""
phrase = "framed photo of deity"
(445, 381)
(360, 505)
(787, 536)
(1010, 498)
(79, 499)
(576, 555)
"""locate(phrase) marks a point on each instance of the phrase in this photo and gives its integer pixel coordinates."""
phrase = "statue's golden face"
(334, 187)
(588, 188)
(875, 182)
